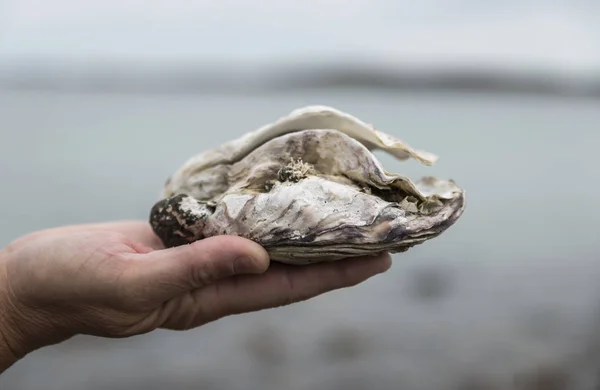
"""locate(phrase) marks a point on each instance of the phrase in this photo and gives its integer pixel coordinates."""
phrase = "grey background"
(509, 291)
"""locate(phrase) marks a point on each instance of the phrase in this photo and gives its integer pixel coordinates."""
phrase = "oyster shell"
(308, 189)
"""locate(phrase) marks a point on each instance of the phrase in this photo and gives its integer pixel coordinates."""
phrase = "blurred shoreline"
(233, 78)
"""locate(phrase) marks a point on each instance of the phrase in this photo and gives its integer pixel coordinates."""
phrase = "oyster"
(308, 189)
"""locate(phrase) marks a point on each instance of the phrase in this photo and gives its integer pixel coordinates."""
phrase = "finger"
(165, 273)
(283, 285)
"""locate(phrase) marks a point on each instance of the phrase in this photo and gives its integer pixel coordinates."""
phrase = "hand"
(117, 280)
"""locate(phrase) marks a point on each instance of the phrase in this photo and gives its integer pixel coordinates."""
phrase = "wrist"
(8, 354)
(25, 325)
(22, 330)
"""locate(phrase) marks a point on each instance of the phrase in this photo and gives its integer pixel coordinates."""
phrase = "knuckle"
(294, 294)
(211, 270)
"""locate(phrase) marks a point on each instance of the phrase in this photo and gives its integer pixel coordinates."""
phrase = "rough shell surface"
(308, 189)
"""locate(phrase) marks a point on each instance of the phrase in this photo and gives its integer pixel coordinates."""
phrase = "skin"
(117, 280)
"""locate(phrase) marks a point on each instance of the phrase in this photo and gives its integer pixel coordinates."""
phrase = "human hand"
(117, 280)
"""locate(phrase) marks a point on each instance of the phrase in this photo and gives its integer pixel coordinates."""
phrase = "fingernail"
(386, 264)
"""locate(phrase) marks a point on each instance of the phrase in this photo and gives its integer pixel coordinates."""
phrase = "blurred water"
(509, 292)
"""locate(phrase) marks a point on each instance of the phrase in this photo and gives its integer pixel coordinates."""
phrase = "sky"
(561, 34)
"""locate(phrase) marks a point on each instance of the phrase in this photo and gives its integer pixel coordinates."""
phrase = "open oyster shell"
(308, 189)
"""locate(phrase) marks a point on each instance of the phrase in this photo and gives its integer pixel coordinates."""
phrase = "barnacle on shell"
(309, 189)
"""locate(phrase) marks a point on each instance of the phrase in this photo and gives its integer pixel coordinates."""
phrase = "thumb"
(166, 273)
